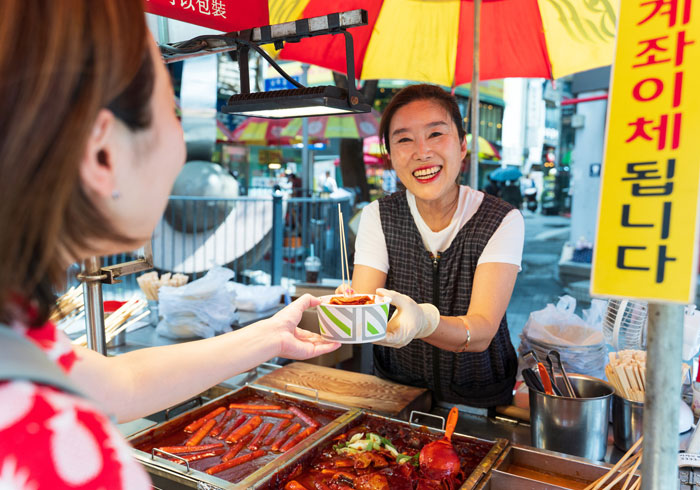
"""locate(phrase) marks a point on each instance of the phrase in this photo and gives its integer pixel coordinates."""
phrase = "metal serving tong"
(569, 389)
(536, 377)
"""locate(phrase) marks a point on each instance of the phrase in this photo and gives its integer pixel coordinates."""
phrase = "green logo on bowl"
(337, 322)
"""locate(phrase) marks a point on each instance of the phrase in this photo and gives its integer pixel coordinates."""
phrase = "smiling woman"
(448, 254)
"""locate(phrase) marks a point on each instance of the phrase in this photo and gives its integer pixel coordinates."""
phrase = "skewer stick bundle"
(150, 283)
(126, 316)
(626, 371)
(69, 303)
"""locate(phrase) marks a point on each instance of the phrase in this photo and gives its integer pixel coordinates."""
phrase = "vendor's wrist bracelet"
(466, 343)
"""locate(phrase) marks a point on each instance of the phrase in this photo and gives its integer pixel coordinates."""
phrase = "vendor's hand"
(295, 342)
(345, 289)
(409, 321)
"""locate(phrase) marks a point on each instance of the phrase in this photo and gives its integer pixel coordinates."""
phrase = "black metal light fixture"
(299, 102)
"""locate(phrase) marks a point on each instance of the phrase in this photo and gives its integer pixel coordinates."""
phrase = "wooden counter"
(350, 389)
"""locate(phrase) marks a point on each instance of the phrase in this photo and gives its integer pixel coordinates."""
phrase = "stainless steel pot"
(577, 426)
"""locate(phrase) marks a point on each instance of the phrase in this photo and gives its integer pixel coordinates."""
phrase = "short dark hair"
(412, 93)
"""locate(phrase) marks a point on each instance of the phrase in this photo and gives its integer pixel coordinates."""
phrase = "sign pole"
(662, 397)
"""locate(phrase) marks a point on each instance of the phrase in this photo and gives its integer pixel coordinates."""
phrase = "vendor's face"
(150, 162)
(426, 150)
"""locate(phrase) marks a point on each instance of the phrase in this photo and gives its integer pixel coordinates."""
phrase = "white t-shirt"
(504, 246)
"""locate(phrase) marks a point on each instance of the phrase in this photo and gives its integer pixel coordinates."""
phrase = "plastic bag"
(691, 332)
(257, 298)
(202, 308)
(559, 325)
(580, 345)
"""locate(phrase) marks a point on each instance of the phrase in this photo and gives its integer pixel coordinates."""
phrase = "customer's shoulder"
(57, 440)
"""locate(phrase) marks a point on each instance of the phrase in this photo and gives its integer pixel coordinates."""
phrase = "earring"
(116, 194)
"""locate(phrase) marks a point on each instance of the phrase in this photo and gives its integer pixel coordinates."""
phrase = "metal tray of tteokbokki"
(377, 452)
(236, 438)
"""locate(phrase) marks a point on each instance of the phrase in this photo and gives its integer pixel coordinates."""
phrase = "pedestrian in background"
(512, 195)
(492, 187)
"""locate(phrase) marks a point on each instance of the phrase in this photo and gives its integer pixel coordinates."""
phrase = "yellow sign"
(648, 215)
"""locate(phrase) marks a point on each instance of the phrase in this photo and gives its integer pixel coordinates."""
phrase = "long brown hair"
(62, 63)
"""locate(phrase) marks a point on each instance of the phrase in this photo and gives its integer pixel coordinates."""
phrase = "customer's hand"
(295, 342)
(409, 321)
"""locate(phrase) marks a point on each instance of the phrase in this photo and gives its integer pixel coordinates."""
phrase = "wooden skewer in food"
(344, 268)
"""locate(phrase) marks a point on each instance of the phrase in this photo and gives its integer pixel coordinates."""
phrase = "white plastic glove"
(410, 320)
(345, 289)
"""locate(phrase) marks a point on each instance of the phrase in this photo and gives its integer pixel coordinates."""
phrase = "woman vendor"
(89, 149)
(448, 256)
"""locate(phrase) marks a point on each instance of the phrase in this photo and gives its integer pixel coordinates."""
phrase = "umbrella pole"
(474, 95)
(306, 174)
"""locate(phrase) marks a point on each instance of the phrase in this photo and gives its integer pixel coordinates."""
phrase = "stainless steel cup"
(577, 426)
(118, 340)
(627, 421)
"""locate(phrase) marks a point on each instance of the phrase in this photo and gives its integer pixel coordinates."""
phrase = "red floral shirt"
(54, 440)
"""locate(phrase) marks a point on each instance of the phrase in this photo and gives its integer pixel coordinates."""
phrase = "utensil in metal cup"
(627, 421)
(577, 426)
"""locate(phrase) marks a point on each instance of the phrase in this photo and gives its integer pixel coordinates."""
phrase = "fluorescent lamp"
(274, 166)
(303, 102)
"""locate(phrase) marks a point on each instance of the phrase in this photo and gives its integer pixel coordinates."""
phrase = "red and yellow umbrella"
(431, 41)
(267, 132)
(486, 148)
(324, 127)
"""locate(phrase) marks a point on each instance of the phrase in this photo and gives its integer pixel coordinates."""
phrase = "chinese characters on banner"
(647, 222)
(222, 15)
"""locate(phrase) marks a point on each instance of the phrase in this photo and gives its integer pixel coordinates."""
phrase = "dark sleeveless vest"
(483, 379)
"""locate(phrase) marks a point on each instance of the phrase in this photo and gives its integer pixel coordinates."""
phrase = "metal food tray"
(274, 480)
(174, 475)
(526, 468)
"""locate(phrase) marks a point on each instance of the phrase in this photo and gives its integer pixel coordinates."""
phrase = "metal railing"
(263, 239)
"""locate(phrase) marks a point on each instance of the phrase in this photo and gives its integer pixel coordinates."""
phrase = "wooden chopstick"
(596, 485)
(345, 269)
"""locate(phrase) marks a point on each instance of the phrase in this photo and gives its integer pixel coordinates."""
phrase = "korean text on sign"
(647, 223)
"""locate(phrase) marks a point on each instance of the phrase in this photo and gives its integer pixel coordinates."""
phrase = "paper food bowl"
(353, 324)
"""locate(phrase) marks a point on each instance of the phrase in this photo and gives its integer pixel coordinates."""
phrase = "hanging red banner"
(222, 15)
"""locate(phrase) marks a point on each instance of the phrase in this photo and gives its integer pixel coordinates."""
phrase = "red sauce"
(320, 467)
(174, 434)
